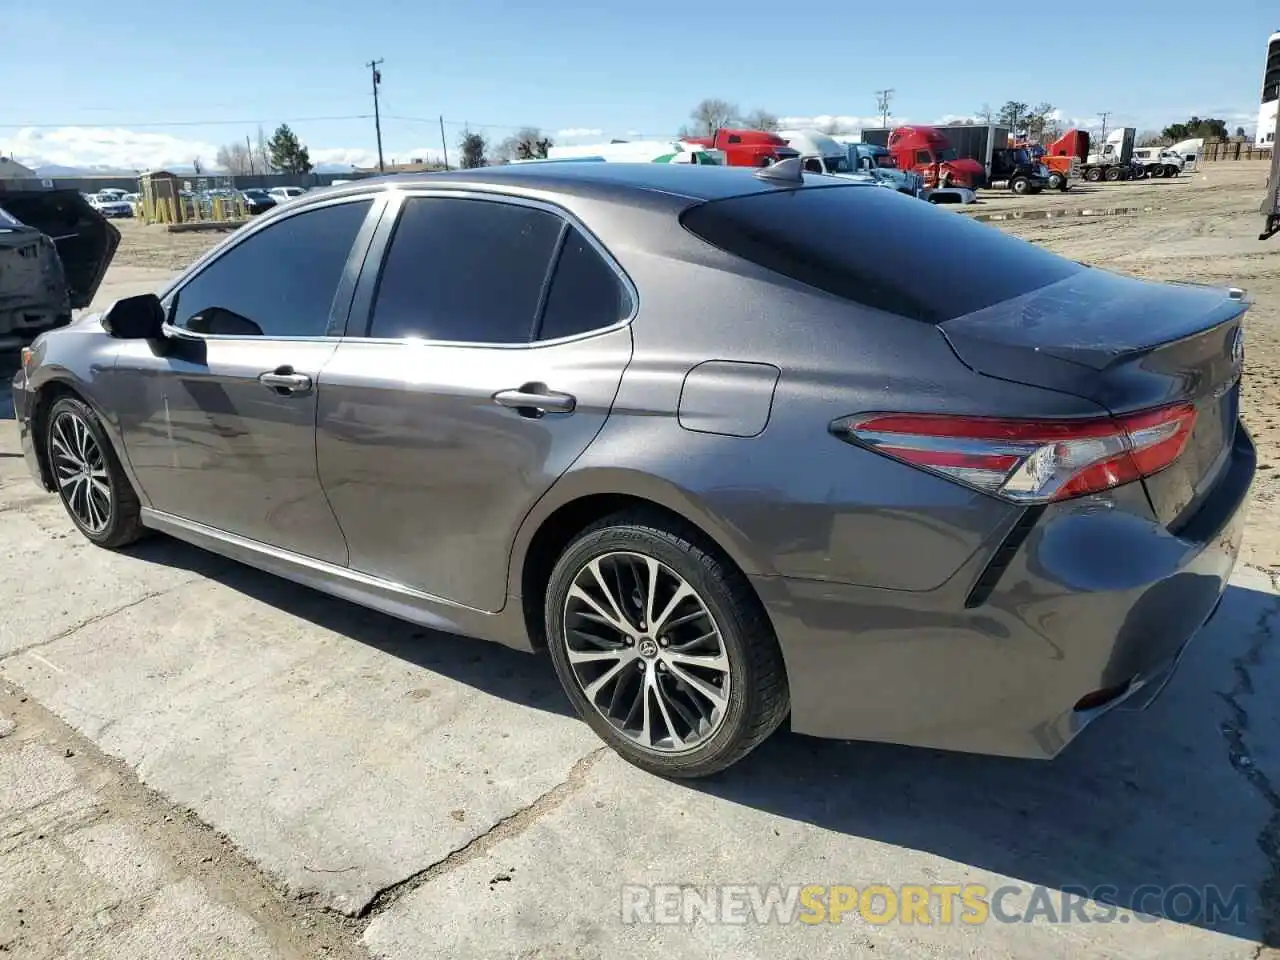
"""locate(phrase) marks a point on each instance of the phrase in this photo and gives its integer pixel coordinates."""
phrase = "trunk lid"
(1127, 345)
(85, 240)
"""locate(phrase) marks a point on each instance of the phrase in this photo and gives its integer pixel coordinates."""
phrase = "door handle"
(534, 400)
(283, 380)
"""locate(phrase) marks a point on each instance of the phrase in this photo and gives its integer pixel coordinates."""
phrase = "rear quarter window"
(878, 248)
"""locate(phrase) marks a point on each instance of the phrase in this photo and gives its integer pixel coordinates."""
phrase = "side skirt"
(397, 600)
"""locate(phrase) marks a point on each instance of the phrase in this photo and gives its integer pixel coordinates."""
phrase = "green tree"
(1013, 115)
(287, 153)
(472, 147)
(1210, 129)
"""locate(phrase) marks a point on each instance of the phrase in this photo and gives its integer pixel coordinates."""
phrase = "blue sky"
(143, 94)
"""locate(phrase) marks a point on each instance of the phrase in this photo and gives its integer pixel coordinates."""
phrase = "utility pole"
(1103, 136)
(444, 144)
(377, 119)
(248, 152)
(882, 102)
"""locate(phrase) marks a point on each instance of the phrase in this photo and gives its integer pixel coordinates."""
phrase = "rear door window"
(465, 270)
(586, 293)
(878, 248)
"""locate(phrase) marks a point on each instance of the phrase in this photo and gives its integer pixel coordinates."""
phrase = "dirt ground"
(1202, 226)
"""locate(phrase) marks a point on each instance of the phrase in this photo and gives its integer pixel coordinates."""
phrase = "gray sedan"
(732, 446)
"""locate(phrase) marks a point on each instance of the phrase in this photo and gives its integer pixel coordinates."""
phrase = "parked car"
(112, 206)
(256, 200)
(285, 194)
(862, 490)
(55, 248)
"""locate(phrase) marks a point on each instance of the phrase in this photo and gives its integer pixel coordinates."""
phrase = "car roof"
(601, 180)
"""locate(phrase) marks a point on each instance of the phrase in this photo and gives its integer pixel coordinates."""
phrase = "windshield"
(253, 192)
(839, 165)
(947, 154)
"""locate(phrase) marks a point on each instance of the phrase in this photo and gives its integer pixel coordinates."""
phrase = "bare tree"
(528, 144)
(985, 114)
(712, 114)
(1038, 119)
(1150, 138)
(235, 159)
(197, 166)
(830, 128)
(761, 120)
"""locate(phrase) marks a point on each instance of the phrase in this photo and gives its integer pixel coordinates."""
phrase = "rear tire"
(1113, 174)
(1093, 174)
(658, 696)
(90, 482)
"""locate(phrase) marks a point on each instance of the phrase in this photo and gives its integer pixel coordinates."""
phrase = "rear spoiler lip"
(989, 328)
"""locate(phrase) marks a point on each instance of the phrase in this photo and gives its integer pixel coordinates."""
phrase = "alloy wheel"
(81, 472)
(646, 652)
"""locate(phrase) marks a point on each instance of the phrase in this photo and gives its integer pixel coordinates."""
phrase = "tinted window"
(923, 156)
(279, 282)
(469, 270)
(879, 248)
(585, 294)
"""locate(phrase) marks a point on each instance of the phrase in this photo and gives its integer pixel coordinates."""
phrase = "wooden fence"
(1233, 150)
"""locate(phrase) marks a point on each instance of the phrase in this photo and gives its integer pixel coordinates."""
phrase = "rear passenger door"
(487, 340)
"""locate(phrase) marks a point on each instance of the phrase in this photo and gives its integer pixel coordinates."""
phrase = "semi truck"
(746, 148)
(1157, 162)
(964, 155)
(1075, 150)
(824, 154)
(640, 151)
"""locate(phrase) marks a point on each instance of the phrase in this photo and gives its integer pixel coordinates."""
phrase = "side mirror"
(135, 318)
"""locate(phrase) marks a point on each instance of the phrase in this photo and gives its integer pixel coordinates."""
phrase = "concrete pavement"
(435, 792)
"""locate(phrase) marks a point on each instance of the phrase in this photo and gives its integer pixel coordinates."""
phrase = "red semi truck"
(930, 154)
(747, 148)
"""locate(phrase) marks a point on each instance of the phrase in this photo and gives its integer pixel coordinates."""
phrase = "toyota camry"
(734, 447)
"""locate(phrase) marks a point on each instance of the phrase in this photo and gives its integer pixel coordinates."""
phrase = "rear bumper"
(1094, 599)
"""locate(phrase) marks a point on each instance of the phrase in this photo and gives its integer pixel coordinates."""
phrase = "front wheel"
(88, 477)
(1020, 186)
(1057, 181)
(663, 647)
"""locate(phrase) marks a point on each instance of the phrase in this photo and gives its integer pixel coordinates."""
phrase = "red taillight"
(1029, 461)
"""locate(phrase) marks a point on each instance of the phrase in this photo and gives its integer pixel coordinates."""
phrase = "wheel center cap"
(648, 648)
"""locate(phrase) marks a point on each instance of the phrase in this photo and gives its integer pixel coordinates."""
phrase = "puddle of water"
(1055, 214)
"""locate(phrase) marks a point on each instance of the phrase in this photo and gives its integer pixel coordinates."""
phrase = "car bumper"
(22, 398)
(1092, 612)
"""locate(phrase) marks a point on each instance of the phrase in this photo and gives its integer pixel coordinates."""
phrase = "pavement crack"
(90, 621)
(507, 828)
(1234, 730)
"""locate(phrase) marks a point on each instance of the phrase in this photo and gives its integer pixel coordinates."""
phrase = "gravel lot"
(197, 760)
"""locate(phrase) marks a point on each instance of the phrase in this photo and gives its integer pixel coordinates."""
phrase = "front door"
(220, 425)
(497, 339)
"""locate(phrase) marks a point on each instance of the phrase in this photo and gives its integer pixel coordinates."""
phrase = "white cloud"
(118, 148)
(843, 123)
(104, 147)
(573, 133)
